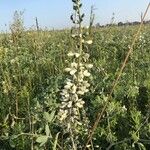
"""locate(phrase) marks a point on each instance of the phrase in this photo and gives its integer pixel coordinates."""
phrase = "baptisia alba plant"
(71, 114)
(76, 86)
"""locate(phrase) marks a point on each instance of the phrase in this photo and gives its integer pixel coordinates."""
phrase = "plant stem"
(72, 140)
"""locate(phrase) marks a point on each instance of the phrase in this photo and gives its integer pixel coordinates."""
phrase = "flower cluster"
(75, 87)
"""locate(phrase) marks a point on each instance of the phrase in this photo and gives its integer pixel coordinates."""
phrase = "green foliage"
(32, 74)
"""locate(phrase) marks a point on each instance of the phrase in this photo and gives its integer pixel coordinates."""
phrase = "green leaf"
(49, 117)
(12, 143)
(14, 137)
(47, 130)
(55, 143)
(133, 91)
(42, 139)
(141, 146)
(6, 118)
(135, 137)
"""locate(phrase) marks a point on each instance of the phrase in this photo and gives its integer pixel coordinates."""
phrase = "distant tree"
(98, 25)
(120, 23)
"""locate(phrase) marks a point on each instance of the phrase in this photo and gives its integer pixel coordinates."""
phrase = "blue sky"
(56, 13)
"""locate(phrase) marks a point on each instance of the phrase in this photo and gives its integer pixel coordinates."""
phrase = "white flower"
(68, 80)
(89, 42)
(68, 126)
(63, 114)
(86, 84)
(97, 146)
(88, 146)
(70, 54)
(124, 108)
(68, 85)
(87, 27)
(12, 61)
(86, 73)
(80, 103)
(73, 35)
(79, 123)
(11, 41)
(77, 55)
(75, 111)
(69, 104)
(74, 64)
(64, 92)
(86, 56)
(86, 90)
(87, 33)
(82, 68)
(63, 105)
(74, 88)
(80, 92)
(80, 76)
(67, 69)
(83, 89)
(80, 35)
(75, 97)
(66, 95)
(89, 66)
(65, 99)
(74, 77)
(73, 71)
(80, 64)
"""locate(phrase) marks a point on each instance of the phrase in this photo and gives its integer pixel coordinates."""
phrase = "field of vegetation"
(42, 106)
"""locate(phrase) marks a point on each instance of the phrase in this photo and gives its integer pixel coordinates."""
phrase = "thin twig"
(72, 140)
(116, 143)
(100, 114)
(37, 24)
